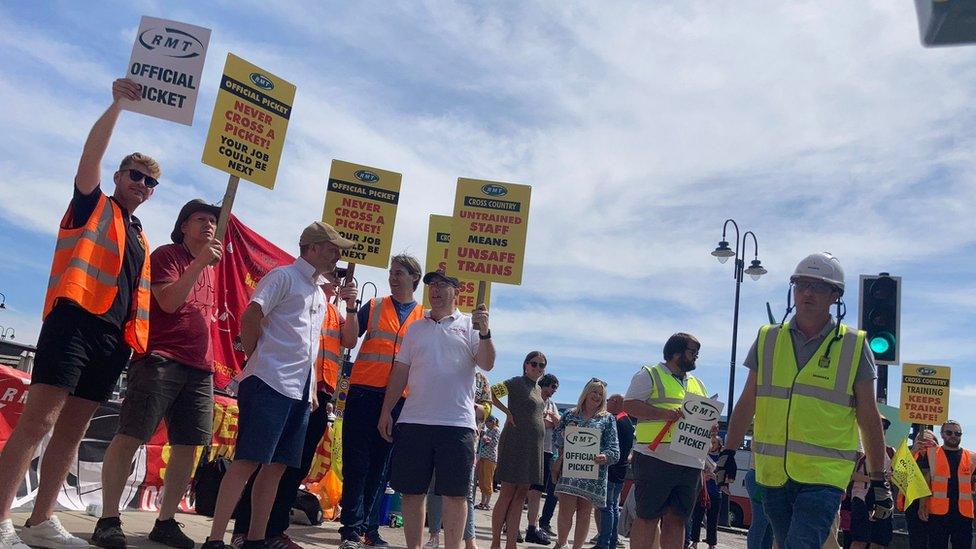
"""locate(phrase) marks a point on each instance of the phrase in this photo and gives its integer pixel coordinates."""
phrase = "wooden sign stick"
(480, 300)
(225, 207)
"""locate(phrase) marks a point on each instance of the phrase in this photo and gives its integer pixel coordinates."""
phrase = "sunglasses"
(598, 380)
(536, 364)
(952, 433)
(138, 176)
(816, 287)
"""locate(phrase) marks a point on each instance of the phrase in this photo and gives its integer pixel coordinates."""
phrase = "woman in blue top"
(577, 496)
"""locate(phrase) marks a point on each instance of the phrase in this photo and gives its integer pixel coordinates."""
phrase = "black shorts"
(864, 529)
(160, 388)
(660, 487)
(79, 352)
(546, 475)
(422, 452)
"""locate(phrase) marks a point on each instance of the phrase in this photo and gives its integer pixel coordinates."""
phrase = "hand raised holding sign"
(123, 88)
(480, 319)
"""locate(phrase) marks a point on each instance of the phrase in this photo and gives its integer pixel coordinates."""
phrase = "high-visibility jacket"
(805, 424)
(383, 336)
(86, 267)
(939, 473)
(327, 364)
(668, 393)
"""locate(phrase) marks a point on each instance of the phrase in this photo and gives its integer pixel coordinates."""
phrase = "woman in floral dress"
(578, 496)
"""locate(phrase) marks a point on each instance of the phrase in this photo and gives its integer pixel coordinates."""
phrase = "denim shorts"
(271, 427)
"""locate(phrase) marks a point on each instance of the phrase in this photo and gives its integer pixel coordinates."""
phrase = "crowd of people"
(420, 414)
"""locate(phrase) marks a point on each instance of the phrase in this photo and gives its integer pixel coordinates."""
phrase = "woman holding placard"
(520, 447)
(586, 443)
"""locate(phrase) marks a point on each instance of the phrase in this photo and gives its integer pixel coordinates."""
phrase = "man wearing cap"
(810, 389)
(435, 433)
(280, 331)
(96, 312)
(173, 379)
(365, 455)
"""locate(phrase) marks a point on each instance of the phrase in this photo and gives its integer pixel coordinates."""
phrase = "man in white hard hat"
(810, 388)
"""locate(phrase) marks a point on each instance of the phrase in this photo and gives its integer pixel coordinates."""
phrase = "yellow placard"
(438, 243)
(361, 203)
(488, 235)
(247, 129)
(924, 394)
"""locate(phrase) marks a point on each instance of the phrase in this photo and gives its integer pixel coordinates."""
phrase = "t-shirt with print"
(183, 335)
(488, 443)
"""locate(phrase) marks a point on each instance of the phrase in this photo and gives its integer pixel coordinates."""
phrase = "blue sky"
(641, 127)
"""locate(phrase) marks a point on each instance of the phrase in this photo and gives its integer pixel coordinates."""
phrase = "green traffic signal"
(880, 345)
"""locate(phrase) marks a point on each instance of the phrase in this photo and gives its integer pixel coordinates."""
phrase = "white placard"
(582, 444)
(693, 434)
(167, 59)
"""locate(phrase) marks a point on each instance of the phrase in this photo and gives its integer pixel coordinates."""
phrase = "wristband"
(485, 336)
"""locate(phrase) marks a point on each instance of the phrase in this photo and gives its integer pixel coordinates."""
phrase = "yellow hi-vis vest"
(806, 427)
(668, 393)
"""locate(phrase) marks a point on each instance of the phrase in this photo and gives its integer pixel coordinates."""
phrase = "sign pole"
(225, 207)
(480, 300)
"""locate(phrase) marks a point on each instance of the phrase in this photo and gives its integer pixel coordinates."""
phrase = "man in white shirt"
(280, 332)
(436, 431)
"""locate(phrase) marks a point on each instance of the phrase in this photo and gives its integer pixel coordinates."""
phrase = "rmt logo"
(171, 42)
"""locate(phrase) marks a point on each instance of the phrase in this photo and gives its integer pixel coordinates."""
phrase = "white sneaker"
(8, 536)
(433, 543)
(51, 534)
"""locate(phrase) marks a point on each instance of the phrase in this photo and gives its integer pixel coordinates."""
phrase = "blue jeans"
(801, 514)
(760, 533)
(611, 516)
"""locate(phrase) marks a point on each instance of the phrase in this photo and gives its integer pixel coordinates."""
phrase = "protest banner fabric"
(489, 231)
(692, 434)
(250, 117)
(438, 247)
(581, 447)
(924, 394)
(247, 258)
(907, 476)
(167, 60)
(361, 203)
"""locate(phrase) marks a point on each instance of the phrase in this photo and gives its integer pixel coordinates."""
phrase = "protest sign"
(250, 117)
(924, 394)
(361, 203)
(489, 231)
(167, 60)
(581, 447)
(438, 244)
(898, 430)
(692, 435)
(906, 475)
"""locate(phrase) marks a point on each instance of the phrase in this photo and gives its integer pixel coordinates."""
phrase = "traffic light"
(942, 23)
(880, 311)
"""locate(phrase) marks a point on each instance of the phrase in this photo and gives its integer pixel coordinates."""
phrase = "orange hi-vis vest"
(939, 473)
(381, 343)
(86, 267)
(327, 364)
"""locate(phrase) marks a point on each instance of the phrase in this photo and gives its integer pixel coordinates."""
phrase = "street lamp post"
(3, 301)
(755, 270)
(6, 333)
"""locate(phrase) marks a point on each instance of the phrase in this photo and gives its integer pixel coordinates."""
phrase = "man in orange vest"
(365, 454)
(96, 313)
(949, 510)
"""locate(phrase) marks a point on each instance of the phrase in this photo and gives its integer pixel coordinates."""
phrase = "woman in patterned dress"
(578, 496)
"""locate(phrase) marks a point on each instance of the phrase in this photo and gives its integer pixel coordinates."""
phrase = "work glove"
(725, 467)
(878, 500)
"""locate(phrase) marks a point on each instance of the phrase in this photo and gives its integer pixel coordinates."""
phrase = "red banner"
(247, 258)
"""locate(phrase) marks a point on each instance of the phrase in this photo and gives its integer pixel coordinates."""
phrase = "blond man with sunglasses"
(96, 313)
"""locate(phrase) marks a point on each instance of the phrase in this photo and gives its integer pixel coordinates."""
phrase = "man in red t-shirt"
(173, 380)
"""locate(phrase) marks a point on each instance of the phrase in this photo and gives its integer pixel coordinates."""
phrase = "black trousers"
(291, 479)
(364, 456)
(711, 524)
(950, 528)
(918, 531)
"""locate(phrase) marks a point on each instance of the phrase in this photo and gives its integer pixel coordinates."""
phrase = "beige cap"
(323, 232)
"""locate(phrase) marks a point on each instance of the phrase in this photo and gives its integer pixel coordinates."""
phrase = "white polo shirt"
(440, 355)
(294, 308)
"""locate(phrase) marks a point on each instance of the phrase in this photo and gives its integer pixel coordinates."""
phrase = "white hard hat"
(821, 266)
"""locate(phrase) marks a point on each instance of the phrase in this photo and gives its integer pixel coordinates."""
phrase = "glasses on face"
(821, 288)
(952, 433)
(440, 285)
(536, 364)
(138, 176)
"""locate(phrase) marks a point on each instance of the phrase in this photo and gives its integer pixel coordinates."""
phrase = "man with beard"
(666, 483)
(949, 510)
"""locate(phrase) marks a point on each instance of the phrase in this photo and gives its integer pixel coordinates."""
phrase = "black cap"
(440, 275)
(190, 208)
